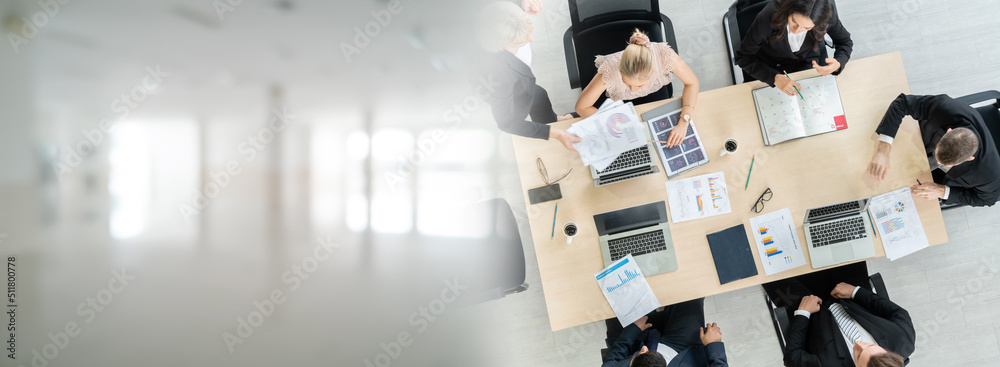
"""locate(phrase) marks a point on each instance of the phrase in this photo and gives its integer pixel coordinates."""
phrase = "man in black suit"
(962, 154)
(849, 326)
(673, 337)
(504, 31)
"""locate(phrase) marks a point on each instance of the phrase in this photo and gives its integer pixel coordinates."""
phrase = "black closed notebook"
(731, 252)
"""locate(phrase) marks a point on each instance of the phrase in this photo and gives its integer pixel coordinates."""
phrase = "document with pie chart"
(613, 130)
(898, 223)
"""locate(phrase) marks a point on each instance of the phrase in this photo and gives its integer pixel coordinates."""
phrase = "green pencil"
(796, 88)
(751, 171)
(554, 212)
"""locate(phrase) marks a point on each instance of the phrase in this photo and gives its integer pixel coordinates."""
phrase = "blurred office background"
(351, 148)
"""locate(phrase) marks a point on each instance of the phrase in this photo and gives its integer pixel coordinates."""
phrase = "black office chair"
(509, 250)
(614, 330)
(601, 27)
(494, 267)
(779, 315)
(991, 116)
(736, 22)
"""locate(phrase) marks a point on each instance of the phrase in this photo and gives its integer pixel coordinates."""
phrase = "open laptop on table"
(839, 233)
(631, 164)
(642, 231)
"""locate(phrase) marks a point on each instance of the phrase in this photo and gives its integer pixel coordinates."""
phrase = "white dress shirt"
(524, 53)
(795, 40)
(668, 353)
(888, 140)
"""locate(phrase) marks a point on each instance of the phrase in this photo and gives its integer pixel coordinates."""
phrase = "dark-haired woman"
(788, 36)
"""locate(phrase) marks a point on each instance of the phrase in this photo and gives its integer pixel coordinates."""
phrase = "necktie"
(847, 324)
(652, 339)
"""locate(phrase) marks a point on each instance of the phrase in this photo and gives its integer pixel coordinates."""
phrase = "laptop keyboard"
(636, 245)
(835, 232)
(833, 209)
(629, 159)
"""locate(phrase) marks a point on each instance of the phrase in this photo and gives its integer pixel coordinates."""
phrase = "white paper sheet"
(698, 197)
(613, 130)
(777, 241)
(898, 223)
(626, 290)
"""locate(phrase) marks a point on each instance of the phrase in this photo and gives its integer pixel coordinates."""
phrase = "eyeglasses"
(757, 207)
(545, 173)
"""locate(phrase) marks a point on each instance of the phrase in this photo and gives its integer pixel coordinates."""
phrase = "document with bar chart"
(777, 241)
(898, 223)
(698, 197)
(627, 290)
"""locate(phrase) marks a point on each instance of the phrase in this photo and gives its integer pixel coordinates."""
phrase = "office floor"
(951, 291)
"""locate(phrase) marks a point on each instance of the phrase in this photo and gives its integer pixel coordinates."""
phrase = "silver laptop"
(642, 231)
(839, 233)
(634, 163)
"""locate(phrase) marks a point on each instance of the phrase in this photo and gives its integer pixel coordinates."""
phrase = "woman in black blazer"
(788, 36)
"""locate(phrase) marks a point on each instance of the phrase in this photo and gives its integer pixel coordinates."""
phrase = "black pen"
(918, 182)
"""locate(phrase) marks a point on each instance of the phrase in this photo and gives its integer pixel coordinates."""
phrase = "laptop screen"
(631, 218)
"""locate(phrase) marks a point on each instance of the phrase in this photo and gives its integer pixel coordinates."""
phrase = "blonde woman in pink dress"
(642, 68)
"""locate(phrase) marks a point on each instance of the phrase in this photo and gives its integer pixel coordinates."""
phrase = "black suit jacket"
(817, 341)
(513, 90)
(629, 343)
(975, 183)
(760, 57)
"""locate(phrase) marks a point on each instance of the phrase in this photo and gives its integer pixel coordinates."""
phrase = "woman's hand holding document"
(613, 130)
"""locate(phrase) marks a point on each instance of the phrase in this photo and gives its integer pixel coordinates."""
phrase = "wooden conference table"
(804, 173)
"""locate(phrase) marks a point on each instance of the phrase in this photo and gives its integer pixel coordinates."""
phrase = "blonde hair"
(503, 25)
(637, 59)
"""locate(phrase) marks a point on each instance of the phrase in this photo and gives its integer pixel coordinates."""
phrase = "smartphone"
(544, 193)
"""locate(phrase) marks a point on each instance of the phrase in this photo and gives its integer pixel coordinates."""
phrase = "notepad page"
(822, 110)
(779, 114)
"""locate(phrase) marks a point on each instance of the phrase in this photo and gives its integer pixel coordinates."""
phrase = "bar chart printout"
(626, 290)
(777, 241)
(898, 223)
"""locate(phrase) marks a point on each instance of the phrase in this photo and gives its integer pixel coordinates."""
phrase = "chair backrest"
(737, 23)
(990, 113)
(602, 27)
(746, 15)
(509, 250)
(586, 14)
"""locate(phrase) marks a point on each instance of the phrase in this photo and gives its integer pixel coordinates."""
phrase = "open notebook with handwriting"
(783, 117)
